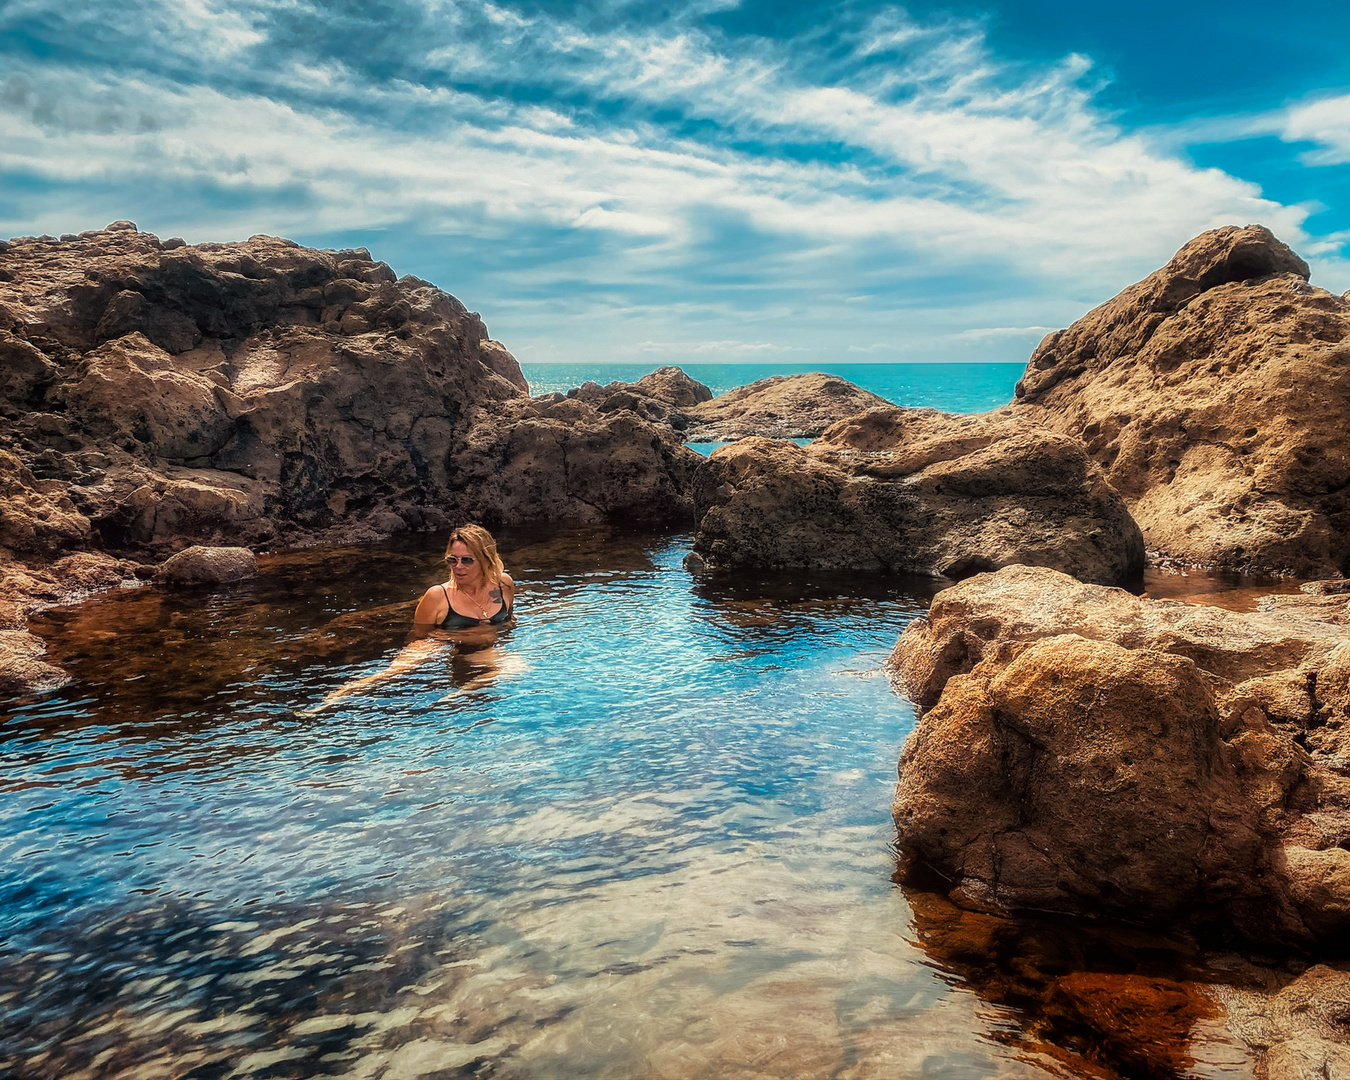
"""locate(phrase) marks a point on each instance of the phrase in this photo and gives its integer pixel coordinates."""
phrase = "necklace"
(480, 604)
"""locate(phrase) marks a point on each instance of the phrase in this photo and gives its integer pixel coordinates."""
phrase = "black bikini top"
(455, 621)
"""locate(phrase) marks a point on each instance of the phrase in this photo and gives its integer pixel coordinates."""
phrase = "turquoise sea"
(960, 388)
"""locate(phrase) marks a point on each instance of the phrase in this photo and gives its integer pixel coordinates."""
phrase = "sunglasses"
(459, 560)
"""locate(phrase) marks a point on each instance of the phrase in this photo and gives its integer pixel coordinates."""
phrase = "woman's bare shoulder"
(432, 607)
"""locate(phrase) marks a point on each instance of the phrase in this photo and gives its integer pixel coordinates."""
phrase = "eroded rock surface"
(916, 490)
(1088, 751)
(563, 459)
(779, 407)
(156, 395)
(203, 565)
(1215, 394)
(22, 667)
(262, 393)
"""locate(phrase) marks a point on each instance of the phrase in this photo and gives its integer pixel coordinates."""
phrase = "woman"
(478, 593)
(472, 604)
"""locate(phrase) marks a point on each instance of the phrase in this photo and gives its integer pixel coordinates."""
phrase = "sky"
(714, 181)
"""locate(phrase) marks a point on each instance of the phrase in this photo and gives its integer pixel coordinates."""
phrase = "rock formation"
(662, 396)
(255, 393)
(202, 565)
(779, 407)
(156, 395)
(1215, 394)
(1087, 751)
(919, 491)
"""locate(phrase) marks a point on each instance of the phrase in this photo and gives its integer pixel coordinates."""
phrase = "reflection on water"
(649, 838)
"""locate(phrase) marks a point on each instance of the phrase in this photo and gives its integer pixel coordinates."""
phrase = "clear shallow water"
(960, 388)
(647, 835)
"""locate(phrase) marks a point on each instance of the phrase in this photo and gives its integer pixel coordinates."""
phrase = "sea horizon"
(959, 387)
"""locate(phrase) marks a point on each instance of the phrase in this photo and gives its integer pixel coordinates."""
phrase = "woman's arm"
(410, 656)
(431, 609)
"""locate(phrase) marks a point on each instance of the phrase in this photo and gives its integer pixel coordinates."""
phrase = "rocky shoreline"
(170, 409)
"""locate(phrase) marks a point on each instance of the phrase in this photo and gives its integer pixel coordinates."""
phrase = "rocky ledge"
(1087, 751)
(919, 491)
(1215, 394)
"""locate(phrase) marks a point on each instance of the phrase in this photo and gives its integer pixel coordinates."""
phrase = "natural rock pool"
(648, 836)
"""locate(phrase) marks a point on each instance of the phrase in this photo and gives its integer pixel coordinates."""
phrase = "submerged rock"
(22, 667)
(1091, 752)
(1100, 999)
(919, 491)
(1215, 393)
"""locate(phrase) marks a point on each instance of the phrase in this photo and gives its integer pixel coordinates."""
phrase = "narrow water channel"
(647, 835)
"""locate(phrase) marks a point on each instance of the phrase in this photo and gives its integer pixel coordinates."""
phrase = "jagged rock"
(36, 518)
(915, 490)
(1088, 751)
(258, 392)
(159, 395)
(1214, 394)
(264, 393)
(201, 565)
(565, 459)
(779, 407)
(1025, 604)
(673, 386)
(660, 396)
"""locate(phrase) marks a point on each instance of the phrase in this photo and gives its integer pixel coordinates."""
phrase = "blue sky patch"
(629, 181)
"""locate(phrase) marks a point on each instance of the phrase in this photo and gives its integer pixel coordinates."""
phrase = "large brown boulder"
(1084, 777)
(560, 458)
(779, 407)
(1215, 394)
(1088, 751)
(919, 491)
(201, 565)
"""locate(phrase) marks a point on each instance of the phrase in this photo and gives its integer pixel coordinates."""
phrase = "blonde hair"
(484, 550)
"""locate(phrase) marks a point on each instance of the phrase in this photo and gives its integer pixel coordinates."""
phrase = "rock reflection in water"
(1101, 1000)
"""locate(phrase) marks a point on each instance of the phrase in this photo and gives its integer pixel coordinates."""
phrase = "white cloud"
(720, 348)
(676, 169)
(1325, 122)
(983, 332)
